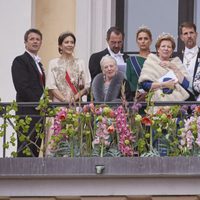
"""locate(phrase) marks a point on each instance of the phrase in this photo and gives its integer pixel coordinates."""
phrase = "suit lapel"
(197, 62)
(106, 52)
(32, 62)
(41, 79)
(181, 55)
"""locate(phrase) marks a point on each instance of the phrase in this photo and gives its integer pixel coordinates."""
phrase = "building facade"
(122, 179)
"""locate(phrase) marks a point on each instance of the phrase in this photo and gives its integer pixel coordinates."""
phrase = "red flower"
(169, 116)
(111, 129)
(197, 109)
(92, 108)
(85, 108)
(146, 121)
(159, 111)
(62, 116)
(112, 114)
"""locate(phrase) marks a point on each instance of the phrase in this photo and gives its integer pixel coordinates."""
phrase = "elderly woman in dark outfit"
(110, 85)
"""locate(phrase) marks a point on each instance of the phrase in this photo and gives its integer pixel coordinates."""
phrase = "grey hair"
(105, 58)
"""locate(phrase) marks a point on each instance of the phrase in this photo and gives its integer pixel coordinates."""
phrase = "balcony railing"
(82, 176)
(108, 130)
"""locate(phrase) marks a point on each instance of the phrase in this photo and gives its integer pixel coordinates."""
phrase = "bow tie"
(118, 55)
(189, 52)
(192, 51)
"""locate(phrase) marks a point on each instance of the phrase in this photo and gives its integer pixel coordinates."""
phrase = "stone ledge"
(113, 167)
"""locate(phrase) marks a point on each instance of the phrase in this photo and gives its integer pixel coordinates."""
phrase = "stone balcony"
(117, 178)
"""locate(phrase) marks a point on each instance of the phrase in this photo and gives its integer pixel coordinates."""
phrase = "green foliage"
(79, 133)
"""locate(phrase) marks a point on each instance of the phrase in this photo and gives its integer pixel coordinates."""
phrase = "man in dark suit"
(115, 38)
(29, 82)
(190, 55)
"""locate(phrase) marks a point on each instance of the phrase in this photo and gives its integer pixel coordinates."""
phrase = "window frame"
(185, 13)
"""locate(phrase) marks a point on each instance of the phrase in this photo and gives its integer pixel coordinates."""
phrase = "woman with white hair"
(110, 85)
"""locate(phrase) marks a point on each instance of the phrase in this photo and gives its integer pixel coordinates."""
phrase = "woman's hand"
(77, 96)
(80, 94)
(168, 64)
(169, 84)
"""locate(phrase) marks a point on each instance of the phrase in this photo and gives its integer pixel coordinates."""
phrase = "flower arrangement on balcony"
(115, 131)
(91, 131)
(101, 130)
(190, 134)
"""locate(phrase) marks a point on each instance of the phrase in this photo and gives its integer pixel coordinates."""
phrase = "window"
(159, 15)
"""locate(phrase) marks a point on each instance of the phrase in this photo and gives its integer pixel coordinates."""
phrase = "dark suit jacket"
(27, 80)
(94, 62)
(181, 54)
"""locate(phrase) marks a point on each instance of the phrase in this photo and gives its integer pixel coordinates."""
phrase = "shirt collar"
(114, 54)
(193, 50)
(35, 57)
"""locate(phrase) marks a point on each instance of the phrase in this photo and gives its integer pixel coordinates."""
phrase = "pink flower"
(98, 111)
(85, 108)
(126, 138)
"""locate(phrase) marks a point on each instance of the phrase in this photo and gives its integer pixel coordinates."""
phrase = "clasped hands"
(172, 82)
(168, 64)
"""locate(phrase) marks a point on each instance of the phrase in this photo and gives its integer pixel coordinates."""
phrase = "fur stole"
(113, 90)
(152, 71)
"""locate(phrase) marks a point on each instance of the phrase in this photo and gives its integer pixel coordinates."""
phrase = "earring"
(104, 77)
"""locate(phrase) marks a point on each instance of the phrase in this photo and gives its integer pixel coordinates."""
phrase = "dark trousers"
(29, 142)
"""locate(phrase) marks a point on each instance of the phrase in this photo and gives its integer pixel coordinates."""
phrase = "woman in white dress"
(67, 79)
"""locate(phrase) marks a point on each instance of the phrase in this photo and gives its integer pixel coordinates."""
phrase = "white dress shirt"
(189, 61)
(118, 57)
(37, 60)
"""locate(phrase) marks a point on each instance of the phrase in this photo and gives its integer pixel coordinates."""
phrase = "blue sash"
(136, 66)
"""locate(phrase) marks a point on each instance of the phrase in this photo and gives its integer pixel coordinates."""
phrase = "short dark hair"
(187, 25)
(62, 36)
(32, 30)
(116, 30)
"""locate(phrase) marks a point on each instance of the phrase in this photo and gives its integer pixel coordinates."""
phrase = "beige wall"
(52, 18)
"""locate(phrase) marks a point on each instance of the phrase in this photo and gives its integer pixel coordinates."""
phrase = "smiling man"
(29, 82)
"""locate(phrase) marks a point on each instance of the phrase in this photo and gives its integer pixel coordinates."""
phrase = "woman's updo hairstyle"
(165, 36)
(61, 38)
(144, 29)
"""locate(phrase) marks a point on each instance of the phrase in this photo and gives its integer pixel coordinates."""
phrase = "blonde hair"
(165, 36)
(144, 29)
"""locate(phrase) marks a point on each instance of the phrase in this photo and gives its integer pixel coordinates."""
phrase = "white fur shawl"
(113, 91)
(152, 71)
